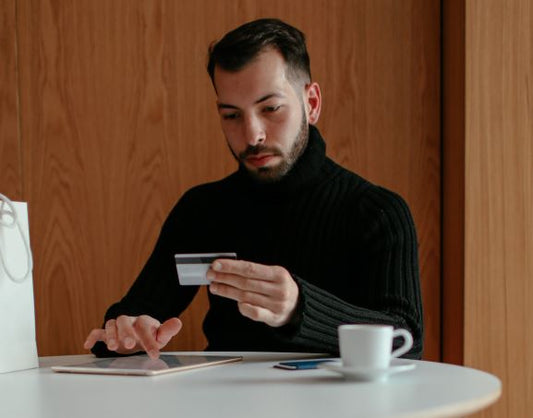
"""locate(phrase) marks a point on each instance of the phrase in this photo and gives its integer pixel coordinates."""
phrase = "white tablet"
(142, 365)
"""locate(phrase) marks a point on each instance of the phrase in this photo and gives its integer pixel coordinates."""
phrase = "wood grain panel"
(120, 119)
(10, 165)
(499, 198)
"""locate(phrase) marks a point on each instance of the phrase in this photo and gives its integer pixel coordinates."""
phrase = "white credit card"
(192, 268)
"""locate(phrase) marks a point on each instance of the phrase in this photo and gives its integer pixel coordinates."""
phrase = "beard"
(277, 172)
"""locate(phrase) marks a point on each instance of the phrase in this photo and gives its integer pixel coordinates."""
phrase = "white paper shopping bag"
(18, 348)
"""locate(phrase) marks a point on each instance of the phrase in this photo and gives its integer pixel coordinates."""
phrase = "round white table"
(251, 388)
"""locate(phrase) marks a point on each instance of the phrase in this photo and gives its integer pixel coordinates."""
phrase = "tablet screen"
(142, 365)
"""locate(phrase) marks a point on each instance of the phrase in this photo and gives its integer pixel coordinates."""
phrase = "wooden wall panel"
(10, 166)
(120, 120)
(499, 198)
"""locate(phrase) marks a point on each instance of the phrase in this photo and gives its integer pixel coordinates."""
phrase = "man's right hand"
(129, 334)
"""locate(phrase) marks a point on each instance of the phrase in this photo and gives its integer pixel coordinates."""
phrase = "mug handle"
(408, 342)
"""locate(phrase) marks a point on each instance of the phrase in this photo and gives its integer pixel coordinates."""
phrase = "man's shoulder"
(354, 183)
(342, 175)
(201, 196)
(209, 189)
(366, 194)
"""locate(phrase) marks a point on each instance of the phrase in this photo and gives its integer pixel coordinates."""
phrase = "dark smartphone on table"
(301, 364)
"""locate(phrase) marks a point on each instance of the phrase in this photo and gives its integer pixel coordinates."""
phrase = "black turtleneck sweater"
(350, 245)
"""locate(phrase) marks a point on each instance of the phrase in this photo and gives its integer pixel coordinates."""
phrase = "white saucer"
(366, 374)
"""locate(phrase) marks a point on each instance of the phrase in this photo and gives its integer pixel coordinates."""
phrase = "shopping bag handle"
(13, 222)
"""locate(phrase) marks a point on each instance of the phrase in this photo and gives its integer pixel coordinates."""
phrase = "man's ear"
(313, 103)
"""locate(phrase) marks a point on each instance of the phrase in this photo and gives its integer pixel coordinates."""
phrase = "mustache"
(258, 149)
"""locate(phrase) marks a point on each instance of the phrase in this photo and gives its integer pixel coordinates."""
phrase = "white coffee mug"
(369, 346)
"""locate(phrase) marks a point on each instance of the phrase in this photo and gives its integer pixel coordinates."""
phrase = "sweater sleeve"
(389, 266)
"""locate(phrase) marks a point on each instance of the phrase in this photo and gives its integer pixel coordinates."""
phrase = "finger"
(245, 269)
(277, 308)
(244, 283)
(261, 314)
(125, 332)
(239, 295)
(146, 330)
(256, 313)
(94, 336)
(111, 335)
(167, 330)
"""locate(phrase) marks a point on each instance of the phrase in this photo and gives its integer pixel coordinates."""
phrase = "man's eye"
(270, 109)
(229, 116)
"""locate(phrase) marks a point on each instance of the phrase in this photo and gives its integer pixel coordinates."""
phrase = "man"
(317, 245)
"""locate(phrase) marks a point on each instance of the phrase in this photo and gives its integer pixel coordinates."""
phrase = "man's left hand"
(264, 293)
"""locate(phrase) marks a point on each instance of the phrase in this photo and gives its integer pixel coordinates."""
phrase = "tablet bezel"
(178, 362)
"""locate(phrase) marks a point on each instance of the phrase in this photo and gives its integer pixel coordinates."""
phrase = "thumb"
(167, 330)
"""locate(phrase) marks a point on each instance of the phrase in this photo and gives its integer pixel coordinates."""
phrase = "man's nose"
(254, 131)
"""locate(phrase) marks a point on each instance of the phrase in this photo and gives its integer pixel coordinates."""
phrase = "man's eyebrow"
(262, 99)
(269, 96)
(226, 106)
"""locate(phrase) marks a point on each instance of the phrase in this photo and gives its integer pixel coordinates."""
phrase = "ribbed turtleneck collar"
(304, 172)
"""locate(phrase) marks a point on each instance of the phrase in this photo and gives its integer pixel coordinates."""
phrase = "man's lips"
(260, 160)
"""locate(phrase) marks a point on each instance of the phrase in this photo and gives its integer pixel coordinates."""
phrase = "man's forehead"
(222, 105)
(259, 80)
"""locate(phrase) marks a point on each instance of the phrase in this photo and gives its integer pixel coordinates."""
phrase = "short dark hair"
(240, 46)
